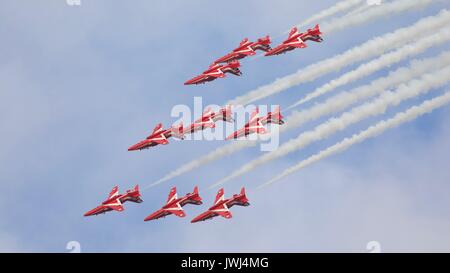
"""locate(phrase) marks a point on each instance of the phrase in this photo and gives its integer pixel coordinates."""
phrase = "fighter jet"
(159, 136)
(216, 71)
(274, 117)
(115, 201)
(253, 126)
(297, 40)
(246, 48)
(221, 206)
(174, 204)
(209, 119)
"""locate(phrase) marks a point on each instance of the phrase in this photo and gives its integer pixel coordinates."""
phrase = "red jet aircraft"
(297, 40)
(253, 126)
(174, 204)
(216, 71)
(274, 117)
(209, 119)
(159, 136)
(115, 201)
(221, 206)
(246, 48)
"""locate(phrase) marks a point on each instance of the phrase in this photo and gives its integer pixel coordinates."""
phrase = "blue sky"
(78, 85)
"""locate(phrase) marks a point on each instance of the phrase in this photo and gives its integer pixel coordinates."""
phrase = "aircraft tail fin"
(243, 198)
(156, 130)
(114, 192)
(219, 196)
(242, 191)
(244, 41)
(227, 114)
(172, 195)
(317, 28)
(178, 131)
(196, 197)
(293, 32)
(275, 116)
(254, 114)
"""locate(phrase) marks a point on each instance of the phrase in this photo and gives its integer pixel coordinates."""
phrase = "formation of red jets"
(230, 62)
(208, 120)
(226, 64)
(174, 204)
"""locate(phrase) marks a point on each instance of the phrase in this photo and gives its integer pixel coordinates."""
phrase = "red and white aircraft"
(216, 71)
(174, 204)
(209, 119)
(246, 48)
(297, 40)
(158, 136)
(115, 201)
(221, 206)
(253, 126)
(274, 117)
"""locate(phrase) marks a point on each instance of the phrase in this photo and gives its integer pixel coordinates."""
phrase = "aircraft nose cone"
(133, 148)
(89, 213)
(189, 82)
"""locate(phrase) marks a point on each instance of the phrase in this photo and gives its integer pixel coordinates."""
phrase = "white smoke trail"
(338, 7)
(373, 108)
(362, 52)
(345, 99)
(332, 105)
(371, 132)
(381, 62)
(359, 9)
(386, 9)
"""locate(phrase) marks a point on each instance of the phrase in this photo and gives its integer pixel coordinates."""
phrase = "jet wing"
(204, 216)
(96, 211)
(197, 80)
(201, 124)
(228, 58)
(224, 114)
(193, 128)
(216, 74)
(224, 213)
(256, 127)
(116, 205)
(239, 133)
(247, 51)
(208, 123)
(176, 210)
(159, 139)
(278, 50)
(298, 43)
